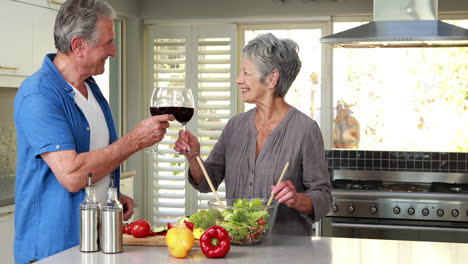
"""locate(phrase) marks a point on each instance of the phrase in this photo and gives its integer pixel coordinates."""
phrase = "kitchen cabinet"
(28, 31)
(126, 187)
(43, 35)
(16, 21)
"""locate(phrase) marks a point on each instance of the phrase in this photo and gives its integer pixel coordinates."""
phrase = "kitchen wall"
(186, 9)
(125, 7)
(414, 161)
(132, 98)
(189, 9)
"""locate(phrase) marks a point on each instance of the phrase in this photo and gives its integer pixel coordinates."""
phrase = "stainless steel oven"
(420, 206)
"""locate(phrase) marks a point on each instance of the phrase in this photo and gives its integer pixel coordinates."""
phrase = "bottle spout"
(90, 176)
(111, 182)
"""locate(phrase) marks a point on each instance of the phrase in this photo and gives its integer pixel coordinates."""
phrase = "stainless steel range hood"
(401, 24)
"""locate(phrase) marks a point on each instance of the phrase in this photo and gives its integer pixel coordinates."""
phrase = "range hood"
(402, 24)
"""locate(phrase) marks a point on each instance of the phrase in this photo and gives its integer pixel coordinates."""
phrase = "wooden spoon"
(280, 179)
(209, 180)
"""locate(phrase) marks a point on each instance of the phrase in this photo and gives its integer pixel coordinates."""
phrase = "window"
(201, 58)
(413, 99)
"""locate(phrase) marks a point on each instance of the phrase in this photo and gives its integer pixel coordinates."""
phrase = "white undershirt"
(99, 137)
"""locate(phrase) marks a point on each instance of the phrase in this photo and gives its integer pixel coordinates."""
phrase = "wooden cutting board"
(158, 240)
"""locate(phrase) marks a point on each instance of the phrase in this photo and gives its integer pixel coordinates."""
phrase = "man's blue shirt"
(47, 119)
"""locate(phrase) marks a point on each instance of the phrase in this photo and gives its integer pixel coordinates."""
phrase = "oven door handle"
(394, 227)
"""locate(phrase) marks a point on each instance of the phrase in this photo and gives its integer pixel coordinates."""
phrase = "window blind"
(202, 58)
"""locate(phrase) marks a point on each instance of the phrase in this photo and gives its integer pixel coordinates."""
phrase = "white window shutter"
(203, 58)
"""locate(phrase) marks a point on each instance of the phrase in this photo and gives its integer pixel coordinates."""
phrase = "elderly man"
(65, 131)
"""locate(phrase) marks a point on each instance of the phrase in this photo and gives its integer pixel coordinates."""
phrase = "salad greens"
(246, 222)
(204, 219)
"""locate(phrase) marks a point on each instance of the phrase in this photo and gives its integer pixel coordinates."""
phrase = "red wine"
(160, 110)
(181, 114)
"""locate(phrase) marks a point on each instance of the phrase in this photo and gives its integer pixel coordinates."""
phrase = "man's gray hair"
(268, 52)
(79, 18)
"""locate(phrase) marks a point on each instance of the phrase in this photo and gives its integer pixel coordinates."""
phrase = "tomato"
(126, 229)
(140, 228)
(261, 221)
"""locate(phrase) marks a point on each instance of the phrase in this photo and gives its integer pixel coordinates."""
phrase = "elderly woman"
(255, 146)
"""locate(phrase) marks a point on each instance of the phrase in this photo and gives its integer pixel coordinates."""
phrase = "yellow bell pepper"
(198, 232)
(179, 241)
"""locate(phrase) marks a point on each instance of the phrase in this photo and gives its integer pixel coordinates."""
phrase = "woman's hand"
(285, 193)
(128, 206)
(187, 141)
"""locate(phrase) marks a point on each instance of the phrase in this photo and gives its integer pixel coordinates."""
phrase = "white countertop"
(288, 249)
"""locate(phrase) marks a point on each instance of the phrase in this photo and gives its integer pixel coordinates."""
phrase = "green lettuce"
(243, 218)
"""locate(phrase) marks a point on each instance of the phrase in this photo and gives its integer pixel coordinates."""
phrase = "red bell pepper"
(215, 242)
(188, 224)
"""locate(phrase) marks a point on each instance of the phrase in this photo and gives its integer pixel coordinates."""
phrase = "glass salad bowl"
(248, 221)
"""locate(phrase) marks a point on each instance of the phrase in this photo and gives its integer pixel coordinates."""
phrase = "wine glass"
(160, 104)
(183, 109)
(177, 101)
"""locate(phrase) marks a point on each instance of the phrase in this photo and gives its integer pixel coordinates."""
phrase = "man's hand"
(128, 206)
(150, 131)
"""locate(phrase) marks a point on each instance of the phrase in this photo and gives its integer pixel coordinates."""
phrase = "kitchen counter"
(287, 249)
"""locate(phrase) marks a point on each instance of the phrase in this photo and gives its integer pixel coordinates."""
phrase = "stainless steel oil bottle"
(89, 220)
(111, 223)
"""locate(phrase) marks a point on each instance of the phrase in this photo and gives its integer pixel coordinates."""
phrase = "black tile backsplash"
(397, 160)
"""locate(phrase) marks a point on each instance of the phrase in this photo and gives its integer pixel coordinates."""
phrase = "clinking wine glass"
(159, 105)
(177, 101)
(183, 109)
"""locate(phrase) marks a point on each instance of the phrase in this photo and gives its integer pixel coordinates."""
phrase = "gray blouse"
(296, 139)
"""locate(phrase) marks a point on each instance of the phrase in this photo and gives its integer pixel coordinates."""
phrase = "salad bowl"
(248, 221)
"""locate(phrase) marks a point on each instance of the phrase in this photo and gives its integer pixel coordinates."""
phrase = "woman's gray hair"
(268, 52)
(79, 18)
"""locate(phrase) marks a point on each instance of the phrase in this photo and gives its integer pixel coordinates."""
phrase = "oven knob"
(373, 209)
(425, 212)
(411, 211)
(440, 212)
(396, 210)
(455, 213)
(334, 208)
(351, 209)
